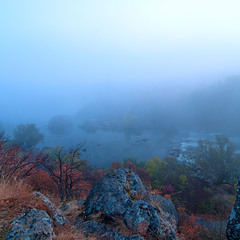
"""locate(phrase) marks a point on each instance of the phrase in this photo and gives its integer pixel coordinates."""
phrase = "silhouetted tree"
(215, 161)
(27, 135)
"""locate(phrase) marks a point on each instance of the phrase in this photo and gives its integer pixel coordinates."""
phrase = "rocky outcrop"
(233, 226)
(143, 218)
(37, 224)
(114, 193)
(104, 232)
(33, 224)
(121, 197)
(166, 207)
(57, 217)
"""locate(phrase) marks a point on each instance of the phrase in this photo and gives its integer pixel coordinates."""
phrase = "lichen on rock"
(120, 196)
(57, 217)
(33, 224)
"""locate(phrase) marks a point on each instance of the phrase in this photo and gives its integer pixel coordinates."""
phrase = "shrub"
(14, 163)
(215, 161)
(27, 136)
(64, 168)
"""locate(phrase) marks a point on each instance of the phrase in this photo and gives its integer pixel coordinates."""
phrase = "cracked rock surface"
(33, 224)
(121, 197)
(233, 226)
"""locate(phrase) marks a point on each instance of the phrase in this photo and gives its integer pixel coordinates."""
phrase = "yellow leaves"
(183, 179)
(154, 165)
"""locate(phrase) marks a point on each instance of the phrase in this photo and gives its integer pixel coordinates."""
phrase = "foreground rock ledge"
(120, 199)
(33, 224)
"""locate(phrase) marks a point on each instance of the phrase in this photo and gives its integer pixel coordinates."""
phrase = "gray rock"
(233, 226)
(215, 228)
(104, 232)
(142, 217)
(80, 202)
(114, 193)
(64, 207)
(33, 224)
(121, 196)
(167, 207)
(58, 218)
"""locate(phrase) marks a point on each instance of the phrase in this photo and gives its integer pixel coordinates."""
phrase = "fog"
(134, 78)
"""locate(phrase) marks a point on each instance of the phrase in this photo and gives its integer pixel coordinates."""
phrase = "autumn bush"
(65, 170)
(188, 229)
(64, 175)
(16, 163)
(41, 181)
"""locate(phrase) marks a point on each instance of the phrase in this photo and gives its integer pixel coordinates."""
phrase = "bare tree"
(65, 168)
(14, 162)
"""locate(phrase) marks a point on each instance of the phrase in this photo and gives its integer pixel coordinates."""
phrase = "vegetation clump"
(215, 161)
(27, 136)
(202, 187)
(60, 125)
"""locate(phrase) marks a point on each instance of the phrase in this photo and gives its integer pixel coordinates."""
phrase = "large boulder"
(33, 224)
(120, 199)
(114, 193)
(233, 226)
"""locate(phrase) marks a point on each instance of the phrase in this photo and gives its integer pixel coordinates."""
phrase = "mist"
(133, 78)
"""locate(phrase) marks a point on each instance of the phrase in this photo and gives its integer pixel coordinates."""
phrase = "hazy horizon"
(58, 57)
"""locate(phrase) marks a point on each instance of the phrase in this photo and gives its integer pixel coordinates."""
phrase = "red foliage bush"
(188, 228)
(41, 181)
(14, 163)
(115, 165)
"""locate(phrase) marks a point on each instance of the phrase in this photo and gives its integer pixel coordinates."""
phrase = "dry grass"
(138, 196)
(15, 198)
(72, 213)
(67, 233)
(14, 190)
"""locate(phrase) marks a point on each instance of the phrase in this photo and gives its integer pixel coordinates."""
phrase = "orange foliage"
(99, 174)
(143, 174)
(115, 165)
(156, 191)
(81, 187)
(16, 163)
(167, 196)
(188, 228)
(131, 166)
(41, 181)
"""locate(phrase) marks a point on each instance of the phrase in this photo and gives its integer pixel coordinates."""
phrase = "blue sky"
(56, 55)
